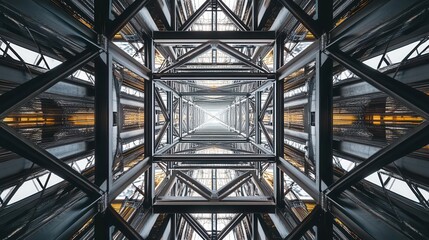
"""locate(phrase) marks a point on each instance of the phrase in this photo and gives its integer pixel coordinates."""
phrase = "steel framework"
(244, 119)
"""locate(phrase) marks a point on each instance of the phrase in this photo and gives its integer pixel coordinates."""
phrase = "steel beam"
(125, 180)
(228, 205)
(120, 21)
(188, 37)
(191, 19)
(306, 20)
(122, 225)
(299, 61)
(188, 56)
(415, 139)
(239, 56)
(231, 225)
(15, 98)
(195, 185)
(410, 97)
(233, 17)
(299, 177)
(214, 76)
(233, 185)
(309, 221)
(13, 141)
(196, 226)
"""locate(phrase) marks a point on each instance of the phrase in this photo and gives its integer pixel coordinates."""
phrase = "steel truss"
(147, 173)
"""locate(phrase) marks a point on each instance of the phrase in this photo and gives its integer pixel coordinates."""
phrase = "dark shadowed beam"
(14, 142)
(306, 20)
(309, 221)
(412, 141)
(410, 97)
(188, 23)
(122, 225)
(14, 98)
(233, 17)
(120, 21)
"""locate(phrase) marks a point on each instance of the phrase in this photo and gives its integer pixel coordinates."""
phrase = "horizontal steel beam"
(188, 37)
(213, 159)
(214, 76)
(213, 93)
(225, 206)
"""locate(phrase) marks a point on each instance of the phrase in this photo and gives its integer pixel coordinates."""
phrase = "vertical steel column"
(240, 117)
(170, 109)
(174, 15)
(173, 224)
(188, 105)
(247, 119)
(180, 117)
(324, 114)
(103, 118)
(257, 112)
(279, 121)
(149, 122)
(254, 226)
(254, 15)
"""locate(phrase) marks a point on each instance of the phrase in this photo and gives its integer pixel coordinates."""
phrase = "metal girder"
(187, 37)
(228, 205)
(160, 134)
(188, 23)
(231, 225)
(306, 20)
(67, 222)
(214, 76)
(196, 226)
(120, 21)
(266, 104)
(121, 57)
(125, 180)
(410, 97)
(12, 140)
(233, 185)
(363, 220)
(122, 225)
(212, 159)
(188, 56)
(161, 105)
(299, 61)
(213, 93)
(13, 99)
(309, 221)
(299, 177)
(415, 139)
(195, 185)
(267, 135)
(232, 16)
(238, 55)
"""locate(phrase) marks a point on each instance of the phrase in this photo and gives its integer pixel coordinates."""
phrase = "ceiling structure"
(214, 119)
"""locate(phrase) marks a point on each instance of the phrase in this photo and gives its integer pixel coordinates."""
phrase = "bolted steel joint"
(102, 41)
(102, 203)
